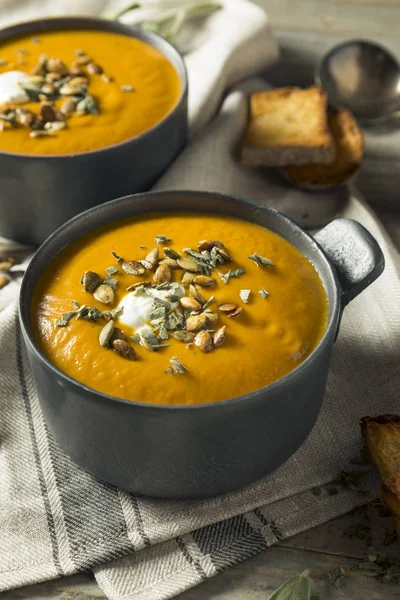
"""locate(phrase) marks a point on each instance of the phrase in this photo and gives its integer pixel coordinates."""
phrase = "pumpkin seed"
(127, 88)
(56, 65)
(163, 274)
(69, 106)
(118, 334)
(106, 78)
(40, 133)
(122, 348)
(162, 239)
(225, 255)
(187, 278)
(190, 303)
(236, 313)
(94, 69)
(204, 281)
(55, 126)
(209, 245)
(263, 293)
(227, 307)
(180, 369)
(204, 341)
(171, 262)
(90, 281)
(88, 105)
(196, 294)
(82, 59)
(169, 253)
(212, 317)
(219, 336)
(188, 265)
(105, 294)
(151, 259)
(196, 322)
(106, 333)
(133, 267)
(183, 336)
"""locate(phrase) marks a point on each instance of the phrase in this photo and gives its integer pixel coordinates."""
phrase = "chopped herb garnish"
(148, 339)
(263, 293)
(260, 260)
(231, 273)
(178, 366)
(162, 239)
(117, 258)
(245, 295)
(112, 270)
(113, 283)
(65, 318)
(336, 575)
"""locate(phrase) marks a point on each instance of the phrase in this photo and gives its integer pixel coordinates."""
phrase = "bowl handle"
(354, 253)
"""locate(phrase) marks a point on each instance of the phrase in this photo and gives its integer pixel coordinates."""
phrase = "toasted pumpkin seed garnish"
(106, 333)
(260, 260)
(188, 264)
(236, 313)
(169, 253)
(190, 303)
(65, 318)
(112, 270)
(176, 364)
(196, 322)
(231, 273)
(124, 349)
(204, 281)
(133, 267)
(55, 125)
(88, 105)
(227, 307)
(105, 294)
(263, 293)
(90, 281)
(75, 304)
(163, 274)
(245, 295)
(183, 336)
(113, 283)
(162, 239)
(219, 336)
(152, 258)
(41, 133)
(204, 341)
(127, 88)
(187, 278)
(118, 334)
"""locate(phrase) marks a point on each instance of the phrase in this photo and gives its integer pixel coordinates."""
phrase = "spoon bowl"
(363, 77)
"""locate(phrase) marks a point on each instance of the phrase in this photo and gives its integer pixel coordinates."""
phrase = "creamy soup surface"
(280, 309)
(131, 87)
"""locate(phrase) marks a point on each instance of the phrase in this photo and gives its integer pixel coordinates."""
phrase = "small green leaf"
(295, 588)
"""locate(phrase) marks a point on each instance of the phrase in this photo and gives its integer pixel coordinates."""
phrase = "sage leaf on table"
(169, 22)
(295, 588)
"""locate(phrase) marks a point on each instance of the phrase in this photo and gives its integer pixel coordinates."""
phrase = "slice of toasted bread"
(288, 126)
(349, 142)
(382, 436)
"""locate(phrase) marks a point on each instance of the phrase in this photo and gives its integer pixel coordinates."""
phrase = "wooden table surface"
(304, 29)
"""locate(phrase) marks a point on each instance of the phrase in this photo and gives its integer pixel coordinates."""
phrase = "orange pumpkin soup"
(218, 307)
(86, 90)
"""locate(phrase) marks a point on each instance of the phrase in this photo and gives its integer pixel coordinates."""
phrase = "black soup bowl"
(41, 192)
(206, 449)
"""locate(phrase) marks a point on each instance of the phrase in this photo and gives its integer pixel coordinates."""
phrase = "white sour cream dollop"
(10, 91)
(136, 309)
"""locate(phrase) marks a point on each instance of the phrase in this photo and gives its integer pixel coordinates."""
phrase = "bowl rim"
(94, 395)
(154, 40)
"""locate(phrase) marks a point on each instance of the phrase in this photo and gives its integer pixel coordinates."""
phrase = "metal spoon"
(364, 77)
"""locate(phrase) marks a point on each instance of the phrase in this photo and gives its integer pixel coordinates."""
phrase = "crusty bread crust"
(288, 126)
(349, 142)
(382, 436)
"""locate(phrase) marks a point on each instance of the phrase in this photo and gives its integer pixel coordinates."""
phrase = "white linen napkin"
(57, 520)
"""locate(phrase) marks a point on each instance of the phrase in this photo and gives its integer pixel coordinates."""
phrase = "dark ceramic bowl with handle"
(41, 192)
(206, 449)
